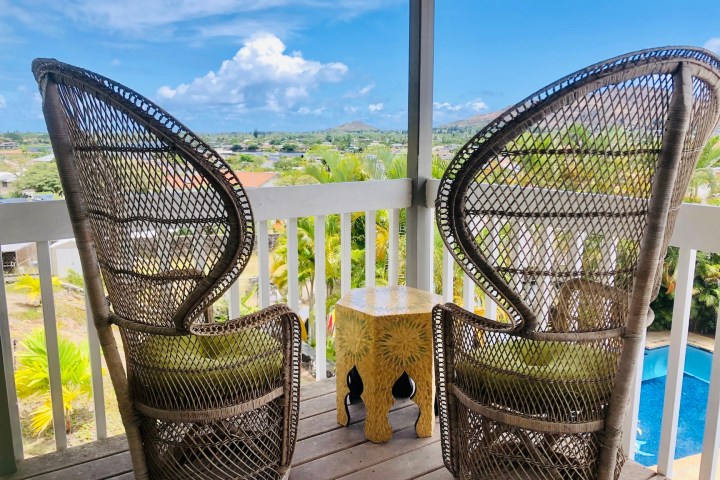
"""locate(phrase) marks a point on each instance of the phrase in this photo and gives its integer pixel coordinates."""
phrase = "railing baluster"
(345, 253)
(7, 364)
(493, 240)
(711, 437)
(394, 246)
(676, 360)
(370, 239)
(320, 297)
(233, 299)
(468, 293)
(96, 374)
(51, 344)
(448, 269)
(577, 248)
(292, 264)
(263, 263)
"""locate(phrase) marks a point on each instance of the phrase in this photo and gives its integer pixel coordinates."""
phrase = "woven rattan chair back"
(163, 221)
(561, 211)
(173, 224)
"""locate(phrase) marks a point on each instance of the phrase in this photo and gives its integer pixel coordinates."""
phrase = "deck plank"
(405, 467)
(324, 450)
(327, 421)
(309, 390)
(362, 456)
(317, 405)
(348, 437)
(32, 467)
(117, 464)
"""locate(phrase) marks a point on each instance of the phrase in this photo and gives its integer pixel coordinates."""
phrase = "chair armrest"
(478, 321)
(252, 320)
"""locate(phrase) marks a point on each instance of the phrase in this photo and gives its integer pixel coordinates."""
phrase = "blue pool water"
(693, 403)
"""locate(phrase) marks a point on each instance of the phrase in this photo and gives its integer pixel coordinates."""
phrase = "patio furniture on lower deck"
(385, 332)
(324, 450)
(595, 166)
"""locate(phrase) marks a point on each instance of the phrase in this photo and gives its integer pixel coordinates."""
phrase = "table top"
(381, 301)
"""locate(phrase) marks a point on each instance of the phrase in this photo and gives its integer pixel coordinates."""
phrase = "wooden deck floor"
(324, 449)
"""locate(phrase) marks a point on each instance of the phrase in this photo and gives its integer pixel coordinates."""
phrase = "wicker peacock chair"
(561, 211)
(161, 219)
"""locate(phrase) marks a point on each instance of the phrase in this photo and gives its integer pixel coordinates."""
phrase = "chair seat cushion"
(204, 372)
(538, 377)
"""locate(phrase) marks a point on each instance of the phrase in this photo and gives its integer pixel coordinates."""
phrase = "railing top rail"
(49, 220)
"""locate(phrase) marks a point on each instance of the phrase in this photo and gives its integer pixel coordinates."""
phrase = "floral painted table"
(383, 332)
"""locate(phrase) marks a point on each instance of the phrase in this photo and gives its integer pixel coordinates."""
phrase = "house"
(64, 257)
(19, 257)
(9, 145)
(6, 182)
(256, 179)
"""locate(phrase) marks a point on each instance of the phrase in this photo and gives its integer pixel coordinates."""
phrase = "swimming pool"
(693, 403)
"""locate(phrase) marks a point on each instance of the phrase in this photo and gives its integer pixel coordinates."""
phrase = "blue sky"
(236, 65)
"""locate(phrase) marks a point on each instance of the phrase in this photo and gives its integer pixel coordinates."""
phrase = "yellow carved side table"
(384, 332)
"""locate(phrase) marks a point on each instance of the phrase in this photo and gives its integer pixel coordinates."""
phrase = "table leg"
(424, 397)
(378, 399)
(342, 368)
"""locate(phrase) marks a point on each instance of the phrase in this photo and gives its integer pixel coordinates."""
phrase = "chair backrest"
(168, 220)
(546, 207)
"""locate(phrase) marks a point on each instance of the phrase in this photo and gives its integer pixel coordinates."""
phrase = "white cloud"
(375, 107)
(713, 44)
(115, 62)
(360, 92)
(2, 101)
(350, 109)
(471, 106)
(260, 76)
(167, 17)
(308, 111)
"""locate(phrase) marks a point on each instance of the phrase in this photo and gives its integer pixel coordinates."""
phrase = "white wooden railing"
(697, 228)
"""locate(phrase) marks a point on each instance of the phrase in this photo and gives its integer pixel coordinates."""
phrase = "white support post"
(9, 371)
(711, 437)
(448, 269)
(292, 264)
(51, 344)
(676, 360)
(98, 392)
(420, 99)
(394, 246)
(263, 263)
(320, 298)
(345, 253)
(370, 253)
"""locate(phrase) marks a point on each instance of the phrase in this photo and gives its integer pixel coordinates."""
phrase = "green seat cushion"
(199, 372)
(537, 376)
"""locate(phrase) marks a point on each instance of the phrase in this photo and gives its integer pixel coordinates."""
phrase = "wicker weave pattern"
(553, 209)
(169, 226)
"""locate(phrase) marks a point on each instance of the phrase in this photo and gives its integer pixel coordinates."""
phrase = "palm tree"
(31, 287)
(704, 174)
(33, 379)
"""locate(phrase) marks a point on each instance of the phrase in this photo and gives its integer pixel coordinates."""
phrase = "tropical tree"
(30, 286)
(41, 177)
(33, 380)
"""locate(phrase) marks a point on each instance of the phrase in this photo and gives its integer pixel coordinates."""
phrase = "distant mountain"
(356, 126)
(476, 121)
